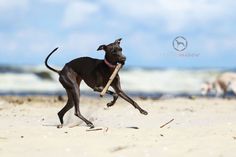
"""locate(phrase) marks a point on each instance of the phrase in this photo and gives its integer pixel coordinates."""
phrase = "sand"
(201, 127)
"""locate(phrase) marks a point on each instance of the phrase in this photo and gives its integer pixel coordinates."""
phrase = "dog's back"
(84, 65)
(93, 71)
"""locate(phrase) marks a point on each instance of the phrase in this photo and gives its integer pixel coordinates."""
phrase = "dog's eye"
(114, 53)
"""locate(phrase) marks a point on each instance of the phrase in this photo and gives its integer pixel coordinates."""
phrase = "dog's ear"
(101, 47)
(118, 40)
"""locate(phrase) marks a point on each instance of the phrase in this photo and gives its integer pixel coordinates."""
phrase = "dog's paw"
(90, 125)
(110, 104)
(59, 126)
(143, 112)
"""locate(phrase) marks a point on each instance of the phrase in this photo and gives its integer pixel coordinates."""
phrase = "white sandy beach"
(201, 127)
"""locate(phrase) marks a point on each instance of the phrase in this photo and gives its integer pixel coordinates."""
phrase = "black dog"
(95, 74)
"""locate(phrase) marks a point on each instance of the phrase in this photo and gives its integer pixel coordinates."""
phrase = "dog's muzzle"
(122, 60)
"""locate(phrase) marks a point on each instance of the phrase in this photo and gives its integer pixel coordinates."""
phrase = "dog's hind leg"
(76, 95)
(66, 108)
(71, 82)
(70, 103)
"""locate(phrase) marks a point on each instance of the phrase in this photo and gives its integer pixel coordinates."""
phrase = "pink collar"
(109, 64)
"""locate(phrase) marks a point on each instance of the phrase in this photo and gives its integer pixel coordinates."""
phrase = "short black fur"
(95, 74)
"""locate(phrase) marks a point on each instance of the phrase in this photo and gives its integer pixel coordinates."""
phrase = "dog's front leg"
(115, 96)
(132, 102)
(116, 86)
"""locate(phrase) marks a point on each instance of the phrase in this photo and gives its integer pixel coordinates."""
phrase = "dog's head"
(113, 52)
(206, 88)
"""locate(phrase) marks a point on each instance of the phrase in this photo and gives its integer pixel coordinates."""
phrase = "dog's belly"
(95, 80)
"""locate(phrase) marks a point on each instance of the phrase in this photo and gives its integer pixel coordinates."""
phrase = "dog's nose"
(123, 58)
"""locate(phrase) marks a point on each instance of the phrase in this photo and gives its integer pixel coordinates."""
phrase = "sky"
(30, 29)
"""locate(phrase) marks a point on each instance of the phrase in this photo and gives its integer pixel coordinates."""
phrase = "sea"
(142, 82)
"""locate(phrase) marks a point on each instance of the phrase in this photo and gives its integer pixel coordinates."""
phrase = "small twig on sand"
(167, 123)
(54, 125)
(132, 127)
(94, 129)
(3, 138)
(106, 129)
(119, 148)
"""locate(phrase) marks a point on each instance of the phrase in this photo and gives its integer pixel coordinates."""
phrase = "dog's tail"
(46, 61)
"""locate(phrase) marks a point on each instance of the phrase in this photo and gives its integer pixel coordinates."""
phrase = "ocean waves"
(38, 79)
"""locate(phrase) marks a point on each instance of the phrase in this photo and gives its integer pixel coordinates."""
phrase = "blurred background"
(30, 29)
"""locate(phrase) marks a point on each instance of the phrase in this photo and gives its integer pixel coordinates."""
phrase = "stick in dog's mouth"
(118, 67)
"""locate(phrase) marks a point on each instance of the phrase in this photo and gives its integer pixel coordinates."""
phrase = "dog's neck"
(110, 65)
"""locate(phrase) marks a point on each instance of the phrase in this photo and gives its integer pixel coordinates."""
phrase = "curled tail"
(46, 61)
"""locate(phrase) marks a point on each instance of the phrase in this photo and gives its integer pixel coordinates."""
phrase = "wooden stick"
(118, 67)
(167, 123)
(94, 129)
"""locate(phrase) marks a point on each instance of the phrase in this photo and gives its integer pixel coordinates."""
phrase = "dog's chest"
(102, 76)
